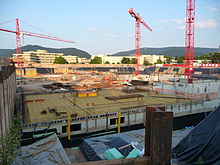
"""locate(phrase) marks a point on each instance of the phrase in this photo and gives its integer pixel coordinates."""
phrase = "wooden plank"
(130, 161)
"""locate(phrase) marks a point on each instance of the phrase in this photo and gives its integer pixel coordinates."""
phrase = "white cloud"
(204, 24)
(177, 21)
(160, 28)
(111, 35)
(213, 9)
(207, 24)
(130, 35)
(180, 27)
(198, 16)
(170, 33)
(91, 29)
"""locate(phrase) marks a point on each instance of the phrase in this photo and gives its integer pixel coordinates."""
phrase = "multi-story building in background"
(83, 60)
(152, 59)
(111, 59)
(71, 59)
(39, 56)
(44, 57)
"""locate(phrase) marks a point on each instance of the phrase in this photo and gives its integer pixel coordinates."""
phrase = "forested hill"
(169, 51)
(66, 51)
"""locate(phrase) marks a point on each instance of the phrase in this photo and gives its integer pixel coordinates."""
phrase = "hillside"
(66, 51)
(170, 51)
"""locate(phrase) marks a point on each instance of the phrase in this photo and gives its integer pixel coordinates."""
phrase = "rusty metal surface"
(161, 135)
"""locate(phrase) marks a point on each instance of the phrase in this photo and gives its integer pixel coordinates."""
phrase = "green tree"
(204, 57)
(159, 61)
(107, 62)
(60, 60)
(215, 57)
(146, 62)
(168, 59)
(118, 62)
(179, 59)
(204, 61)
(125, 60)
(133, 61)
(96, 60)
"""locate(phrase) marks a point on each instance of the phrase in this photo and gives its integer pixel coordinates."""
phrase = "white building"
(44, 57)
(152, 59)
(111, 59)
(117, 59)
(71, 59)
(83, 60)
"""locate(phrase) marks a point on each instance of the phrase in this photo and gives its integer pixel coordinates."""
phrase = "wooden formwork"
(7, 96)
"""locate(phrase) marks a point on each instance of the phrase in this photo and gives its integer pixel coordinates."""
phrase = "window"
(113, 121)
(122, 119)
(180, 85)
(73, 127)
(64, 129)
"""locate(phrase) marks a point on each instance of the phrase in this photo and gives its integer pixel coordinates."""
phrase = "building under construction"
(79, 101)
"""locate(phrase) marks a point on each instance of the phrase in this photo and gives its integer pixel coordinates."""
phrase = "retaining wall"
(7, 93)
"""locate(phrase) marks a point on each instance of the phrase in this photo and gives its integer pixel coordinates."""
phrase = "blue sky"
(101, 26)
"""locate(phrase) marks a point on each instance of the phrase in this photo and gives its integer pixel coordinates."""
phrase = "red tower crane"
(20, 33)
(138, 20)
(189, 40)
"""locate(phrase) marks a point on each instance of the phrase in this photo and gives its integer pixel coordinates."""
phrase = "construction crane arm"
(133, 14)
(37, 35)
(45, 36)
(138, 18)
(146, 26)
(5, 30)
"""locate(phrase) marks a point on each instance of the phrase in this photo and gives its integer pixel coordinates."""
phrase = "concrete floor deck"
(64, 102)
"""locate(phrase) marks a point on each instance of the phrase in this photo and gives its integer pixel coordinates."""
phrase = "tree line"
(211, 57)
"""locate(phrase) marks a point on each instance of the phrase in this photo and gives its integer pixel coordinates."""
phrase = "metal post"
(119, 122)
(68, 127)
(158, 136)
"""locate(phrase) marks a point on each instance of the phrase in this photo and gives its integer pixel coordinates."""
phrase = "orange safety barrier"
(36, 100)
(39, 100)
(28, 101)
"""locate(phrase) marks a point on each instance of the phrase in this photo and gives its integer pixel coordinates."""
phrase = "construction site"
(91, 114)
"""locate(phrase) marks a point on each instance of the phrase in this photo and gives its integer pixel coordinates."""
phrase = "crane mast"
(18, 33)
(189, 40)
(138, 21)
